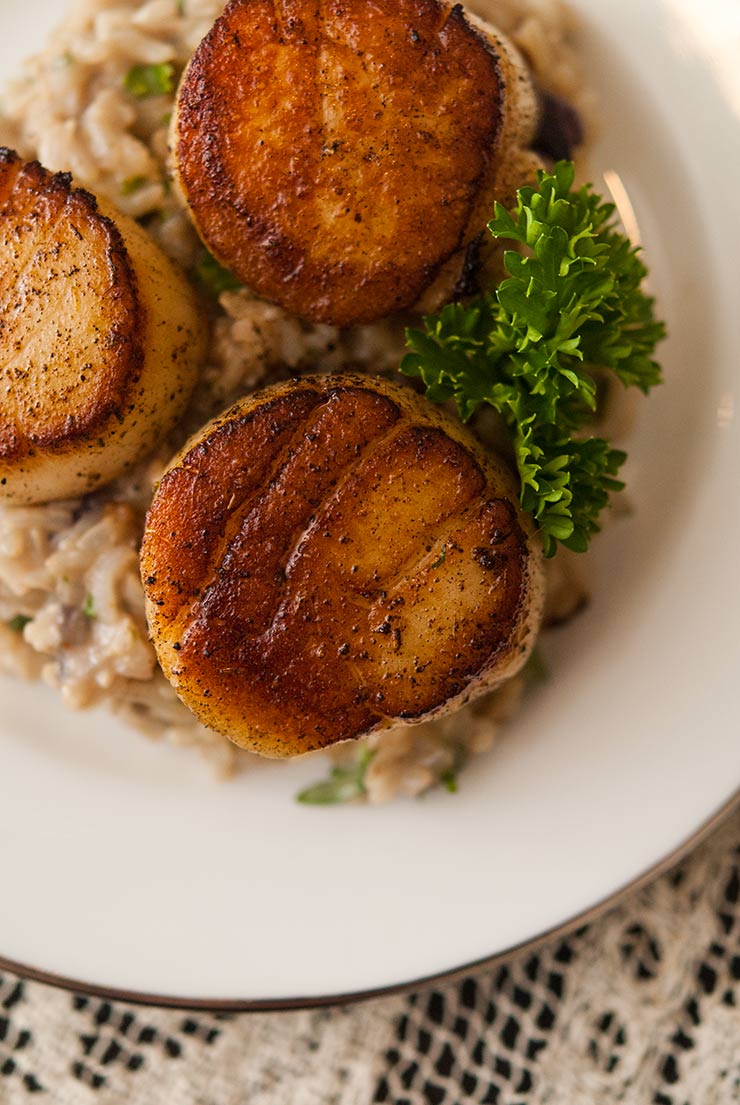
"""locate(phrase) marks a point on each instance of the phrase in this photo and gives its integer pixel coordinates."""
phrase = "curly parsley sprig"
(573, 300)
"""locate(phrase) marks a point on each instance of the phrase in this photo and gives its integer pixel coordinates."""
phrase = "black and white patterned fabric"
(640, 1007)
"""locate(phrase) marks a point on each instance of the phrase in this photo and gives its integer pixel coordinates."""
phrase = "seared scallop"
(341, 157)
(334, 555)
(100, 338)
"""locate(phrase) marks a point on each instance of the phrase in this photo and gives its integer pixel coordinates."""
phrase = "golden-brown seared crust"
(100, 338)
(333, 152)
(332, 555)
(63, 380)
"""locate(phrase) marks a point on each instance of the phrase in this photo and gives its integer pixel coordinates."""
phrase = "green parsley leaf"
(213, 277)
(441, 558)
(535, 670)
(572, 301)
(143, 81)
(89, 608)
(449, 781)
(345, 783)
(19, 623)
(132, 184)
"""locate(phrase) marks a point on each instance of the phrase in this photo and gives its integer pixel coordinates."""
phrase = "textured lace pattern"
(640, 1007)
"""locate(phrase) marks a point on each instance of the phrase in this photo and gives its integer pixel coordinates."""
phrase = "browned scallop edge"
(456, 15)
(211, 187)
(204, 549)
(112, 402)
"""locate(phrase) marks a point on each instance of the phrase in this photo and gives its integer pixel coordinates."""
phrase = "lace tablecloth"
(638, 1007)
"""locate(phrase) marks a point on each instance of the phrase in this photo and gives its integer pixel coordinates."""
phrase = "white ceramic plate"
(125, 867)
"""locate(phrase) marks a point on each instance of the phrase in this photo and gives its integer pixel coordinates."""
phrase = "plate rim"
(561, 928)
(277, 1005)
